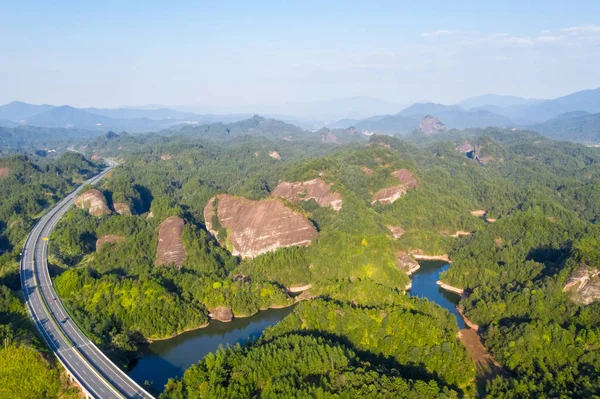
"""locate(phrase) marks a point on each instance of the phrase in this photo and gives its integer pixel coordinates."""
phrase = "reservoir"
(171, 357)
(424, 286)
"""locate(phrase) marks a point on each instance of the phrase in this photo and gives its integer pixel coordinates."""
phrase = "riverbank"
(443, 257)
(152, 340)
(450, 288)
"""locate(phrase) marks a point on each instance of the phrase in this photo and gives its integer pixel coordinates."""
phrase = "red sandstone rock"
(221, 313)
(122, 208)
(4, 172)
(584, 285)
(431, 125)
(313, 189)
(407, 263)
(388, 195)
(93, 200)
(406, 178)
(465, 147)
(329, 137)
(257, 227)
(170, 248)
(274, 155)
(391, 194)
(95, 158)
(113, 239)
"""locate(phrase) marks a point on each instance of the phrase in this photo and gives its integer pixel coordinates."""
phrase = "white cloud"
(518, 41)
(440, 32)
(549, 39)
(581, 30)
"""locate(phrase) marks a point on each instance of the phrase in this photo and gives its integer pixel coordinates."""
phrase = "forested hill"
(397, 198)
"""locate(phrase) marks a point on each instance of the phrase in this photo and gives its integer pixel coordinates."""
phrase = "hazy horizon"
(269, 53)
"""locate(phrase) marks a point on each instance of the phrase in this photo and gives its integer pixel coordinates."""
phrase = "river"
(424, 286)
(171, 357)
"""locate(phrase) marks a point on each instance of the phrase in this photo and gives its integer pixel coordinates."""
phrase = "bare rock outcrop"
(122, 208)
(396, 231)
(257, 227)
(315, 189)
(584, 285)
(328, 137)
(464, 147)
(407, 263)
(221, 313)
(93, 200)
(275, 155)
(406, 177)
(4, 172)
(95, 158)
(390, 194)
(431, 125)
(111, 238)
(170, 249)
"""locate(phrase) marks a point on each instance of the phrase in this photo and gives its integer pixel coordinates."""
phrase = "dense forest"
(27, 189)
(358, 334)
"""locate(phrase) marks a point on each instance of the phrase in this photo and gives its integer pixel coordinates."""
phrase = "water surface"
(424, 286)
(171, 357)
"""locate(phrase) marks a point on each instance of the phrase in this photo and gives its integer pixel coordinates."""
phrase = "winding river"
(171, 357)
(424, 286)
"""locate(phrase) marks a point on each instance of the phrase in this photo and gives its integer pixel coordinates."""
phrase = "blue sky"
(232, 53)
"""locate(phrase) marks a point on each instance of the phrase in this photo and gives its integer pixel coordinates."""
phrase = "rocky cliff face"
(257, 227)
(275, 155)
(113, 239)
(122, 208)
(328, 137)
(390, 194)
(584, 285)
(431, 125)
(407, 263)
(93, 200)
(407, 179)
(313, 189)
(170, 249)
(221, 313)
(465, 147)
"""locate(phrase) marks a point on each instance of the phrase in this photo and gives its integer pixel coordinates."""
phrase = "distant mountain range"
(574, 114)
(553, 117)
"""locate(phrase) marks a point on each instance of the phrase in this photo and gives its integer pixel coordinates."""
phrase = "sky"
(236, 53)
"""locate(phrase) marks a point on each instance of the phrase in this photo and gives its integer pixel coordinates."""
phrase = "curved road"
(84, 362)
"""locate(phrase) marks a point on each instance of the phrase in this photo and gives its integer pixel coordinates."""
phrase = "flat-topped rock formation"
(315, 189)
(170, 249)
(390, 194)
(93, 200)
(256, 227)
(584, 285)
(122, 208)
(111, 238)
